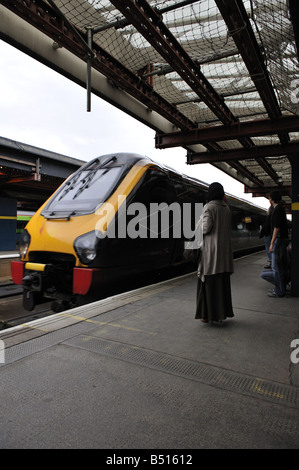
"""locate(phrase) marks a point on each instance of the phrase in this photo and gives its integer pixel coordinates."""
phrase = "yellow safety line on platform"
(35, 327)
(76, 317)
(115, 325)
(8, 217)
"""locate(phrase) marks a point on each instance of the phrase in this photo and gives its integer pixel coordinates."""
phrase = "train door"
(149, 242)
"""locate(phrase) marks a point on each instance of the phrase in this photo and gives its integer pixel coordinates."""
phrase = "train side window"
(193, 194)
(236, 220)
(178, 184)
(186, 191)
(155, 189)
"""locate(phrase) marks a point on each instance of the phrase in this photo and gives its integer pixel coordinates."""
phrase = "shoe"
(272, 294)
(204, 321)
(268, 266)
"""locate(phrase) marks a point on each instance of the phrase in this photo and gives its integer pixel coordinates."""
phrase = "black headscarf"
(215, 191)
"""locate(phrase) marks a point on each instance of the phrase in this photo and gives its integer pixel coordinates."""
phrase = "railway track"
(8, 289)
(13, 314)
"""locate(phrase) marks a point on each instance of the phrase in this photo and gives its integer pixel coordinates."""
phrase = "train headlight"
(24, 242)
(86, 247)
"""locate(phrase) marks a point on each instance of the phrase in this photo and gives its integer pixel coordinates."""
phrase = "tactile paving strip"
(204, 373)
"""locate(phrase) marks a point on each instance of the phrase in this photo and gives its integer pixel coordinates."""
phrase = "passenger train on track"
(78, 240)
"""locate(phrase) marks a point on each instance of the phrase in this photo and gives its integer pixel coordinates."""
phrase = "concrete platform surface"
(137, 371)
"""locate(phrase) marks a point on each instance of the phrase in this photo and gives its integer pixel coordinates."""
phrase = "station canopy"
(224, 73)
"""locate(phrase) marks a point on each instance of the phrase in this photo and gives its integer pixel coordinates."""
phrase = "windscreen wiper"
(93, 171)
(70, 185)
(60, 215)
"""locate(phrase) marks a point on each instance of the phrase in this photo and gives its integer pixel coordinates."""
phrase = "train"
(104, 224)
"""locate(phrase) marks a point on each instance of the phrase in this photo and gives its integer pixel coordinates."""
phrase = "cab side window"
(156, 188)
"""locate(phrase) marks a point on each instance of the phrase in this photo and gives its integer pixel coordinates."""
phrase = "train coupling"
(33, 276)
(33, 284)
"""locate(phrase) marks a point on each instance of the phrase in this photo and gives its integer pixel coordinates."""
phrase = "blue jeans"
(267, 239)
(268, 275)
(278, 275)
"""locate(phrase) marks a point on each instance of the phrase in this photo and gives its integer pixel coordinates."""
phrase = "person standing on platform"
(214, 302)
(278, 248)
(266, 232)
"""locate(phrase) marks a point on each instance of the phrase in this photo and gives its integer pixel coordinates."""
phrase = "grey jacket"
(217, 256)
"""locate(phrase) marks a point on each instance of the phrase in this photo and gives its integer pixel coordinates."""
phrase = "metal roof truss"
(219, 71)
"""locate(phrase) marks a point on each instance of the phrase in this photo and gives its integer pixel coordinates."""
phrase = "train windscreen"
(84, 191)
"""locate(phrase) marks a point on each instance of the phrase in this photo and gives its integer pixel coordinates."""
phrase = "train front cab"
(60, 252)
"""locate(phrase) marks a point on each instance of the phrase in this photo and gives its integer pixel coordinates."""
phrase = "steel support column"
(295, 225)
(8, 223)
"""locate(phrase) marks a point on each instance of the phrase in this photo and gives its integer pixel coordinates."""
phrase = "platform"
(137, 371)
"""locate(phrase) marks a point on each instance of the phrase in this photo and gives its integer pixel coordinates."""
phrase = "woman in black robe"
(214, 302)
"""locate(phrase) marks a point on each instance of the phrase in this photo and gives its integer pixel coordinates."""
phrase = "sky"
(42, 108)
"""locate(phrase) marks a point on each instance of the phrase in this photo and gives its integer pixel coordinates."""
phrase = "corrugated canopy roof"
(224, 73)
